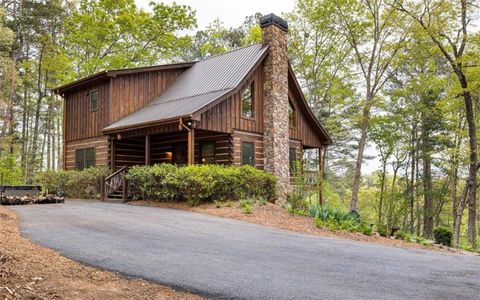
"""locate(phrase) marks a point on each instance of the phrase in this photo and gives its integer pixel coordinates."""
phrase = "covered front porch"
(182, 144)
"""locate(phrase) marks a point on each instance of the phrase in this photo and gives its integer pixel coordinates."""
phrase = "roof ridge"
(185, 97)
(228, 52)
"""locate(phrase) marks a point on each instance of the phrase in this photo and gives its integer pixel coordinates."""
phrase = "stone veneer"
(275, 113)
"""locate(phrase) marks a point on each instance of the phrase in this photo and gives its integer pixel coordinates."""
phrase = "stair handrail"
(116, 173)
(113, 182)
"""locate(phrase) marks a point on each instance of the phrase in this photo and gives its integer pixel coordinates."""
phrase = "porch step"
(113, 200)
(115, 195)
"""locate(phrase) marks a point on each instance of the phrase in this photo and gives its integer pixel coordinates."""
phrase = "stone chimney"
(275, 113)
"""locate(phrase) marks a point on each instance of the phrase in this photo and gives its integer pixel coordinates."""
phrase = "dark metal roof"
(204, 82)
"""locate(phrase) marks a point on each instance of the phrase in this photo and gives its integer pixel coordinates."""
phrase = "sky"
(231, 13)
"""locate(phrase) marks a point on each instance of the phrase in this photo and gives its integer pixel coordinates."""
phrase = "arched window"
(247, 102)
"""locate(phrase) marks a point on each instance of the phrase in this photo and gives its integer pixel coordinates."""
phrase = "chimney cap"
(272, 19)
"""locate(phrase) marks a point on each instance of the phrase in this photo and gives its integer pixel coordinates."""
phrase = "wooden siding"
(227, 115)
(100, 144)
(117, 97)
(129, 93)
(242, 136)
(80, 121)
(302, 131)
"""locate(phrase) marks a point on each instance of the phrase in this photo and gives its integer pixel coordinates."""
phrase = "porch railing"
(116, 182)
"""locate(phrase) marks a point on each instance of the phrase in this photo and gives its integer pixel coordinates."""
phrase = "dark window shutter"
(89, 157)
(79, 159)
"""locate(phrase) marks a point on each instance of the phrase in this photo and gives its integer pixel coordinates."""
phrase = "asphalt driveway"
(222, 258)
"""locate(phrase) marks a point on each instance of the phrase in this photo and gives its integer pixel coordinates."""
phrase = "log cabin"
(241, 107)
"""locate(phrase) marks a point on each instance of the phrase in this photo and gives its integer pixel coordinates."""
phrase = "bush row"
(83, 184)
(199, 183)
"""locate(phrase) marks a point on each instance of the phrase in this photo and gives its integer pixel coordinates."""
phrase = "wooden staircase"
(116, 188)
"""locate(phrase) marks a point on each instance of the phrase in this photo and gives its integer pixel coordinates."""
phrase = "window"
(180, 154)
(207, 151)
(84, 158)
(93, 100)
(292, 157)
(248, 153)
(292, 118)
(247, 102)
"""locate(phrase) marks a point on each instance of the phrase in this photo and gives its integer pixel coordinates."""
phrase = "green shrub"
(364, 228)
(157, 182)
(257, 183)
(336, 219)
(382, 230)
(400, 235)
(408, 237)
(247, 208)
(200, 183)
(296, 201)
(52, 182)
(218, 204)
(443, 235)
(83, 184)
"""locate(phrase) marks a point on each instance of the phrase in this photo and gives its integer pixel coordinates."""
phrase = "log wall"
(242, 136)
(100, 144)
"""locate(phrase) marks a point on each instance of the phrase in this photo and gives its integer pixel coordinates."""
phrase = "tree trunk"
(459, 214)
(417, 176)
(59, 145)
(382, 190)
(412, 178)
(361, 149)
(472, 169)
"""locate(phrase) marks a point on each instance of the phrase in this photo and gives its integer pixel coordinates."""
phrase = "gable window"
(292, 115)
(84, 158)
(292, 157)
(207, 151)
(93, 100)
(247, 102)
(248, 153)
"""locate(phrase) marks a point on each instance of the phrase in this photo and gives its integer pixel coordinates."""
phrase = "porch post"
(112, 153)
(320, 176)
(191, 146)
(147, 149)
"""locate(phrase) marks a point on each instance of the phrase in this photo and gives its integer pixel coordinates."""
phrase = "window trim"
(214, 151)
(84, 158)
(251, 85)
(294, 112)
(90, 99)
(253, 156)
